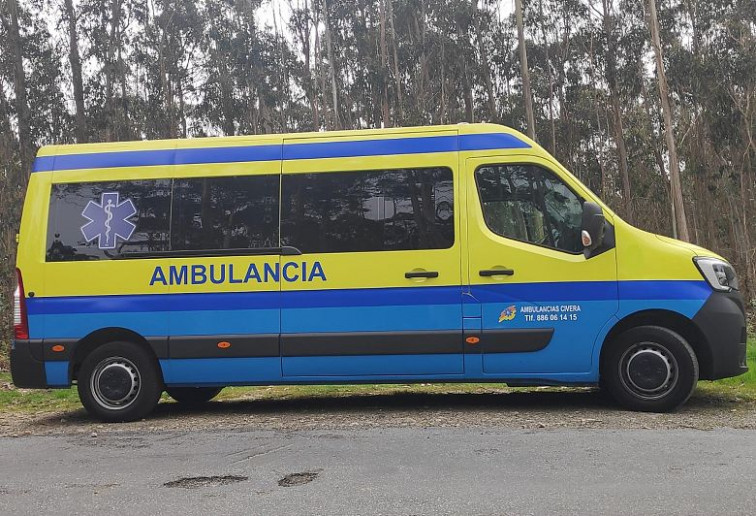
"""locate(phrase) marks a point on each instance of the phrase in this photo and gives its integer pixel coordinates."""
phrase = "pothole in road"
(197, 482)
(297, 479)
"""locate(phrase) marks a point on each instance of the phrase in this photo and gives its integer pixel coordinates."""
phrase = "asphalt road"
(382, 471)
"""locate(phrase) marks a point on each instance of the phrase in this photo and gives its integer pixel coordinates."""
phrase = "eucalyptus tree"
(74, 58)
(674, 163)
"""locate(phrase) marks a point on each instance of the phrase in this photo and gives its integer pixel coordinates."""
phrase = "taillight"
(20, 318)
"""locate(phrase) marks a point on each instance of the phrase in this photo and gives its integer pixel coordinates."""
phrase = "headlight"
(718, 273)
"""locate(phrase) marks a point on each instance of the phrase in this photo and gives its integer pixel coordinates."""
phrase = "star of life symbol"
(108, 220)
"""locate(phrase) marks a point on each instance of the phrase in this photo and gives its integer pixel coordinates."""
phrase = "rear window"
(151, 218)
(96, 221)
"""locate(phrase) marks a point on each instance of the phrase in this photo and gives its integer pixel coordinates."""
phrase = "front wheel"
(193, 395)
(119, 381)
(650, 369)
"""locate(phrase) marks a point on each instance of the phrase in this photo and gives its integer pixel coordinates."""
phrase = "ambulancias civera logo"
(108, 220)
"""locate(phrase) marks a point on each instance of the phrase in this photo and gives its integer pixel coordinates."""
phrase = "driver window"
(528, 203)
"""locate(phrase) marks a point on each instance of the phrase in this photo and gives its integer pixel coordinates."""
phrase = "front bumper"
(27, 365)
(722, 321)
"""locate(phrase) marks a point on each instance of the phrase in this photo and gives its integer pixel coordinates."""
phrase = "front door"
(542, 302)
(376, 290)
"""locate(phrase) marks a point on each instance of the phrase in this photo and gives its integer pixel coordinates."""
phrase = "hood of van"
(695, 249)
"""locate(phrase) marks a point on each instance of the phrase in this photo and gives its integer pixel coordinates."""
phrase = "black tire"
(119, 381)
(193, 395)
(649, 369)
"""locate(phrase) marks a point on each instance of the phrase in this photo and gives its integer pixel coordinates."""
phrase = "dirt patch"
(198, 482)
(297, 479)
(537, 410)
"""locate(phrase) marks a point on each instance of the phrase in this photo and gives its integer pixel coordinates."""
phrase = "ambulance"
(462, 253)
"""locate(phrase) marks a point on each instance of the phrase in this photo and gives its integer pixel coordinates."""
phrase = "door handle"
(421, 274)
(497, 272)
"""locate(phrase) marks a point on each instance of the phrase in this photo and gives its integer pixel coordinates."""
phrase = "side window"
(380, 210)
(95, 221)
(528, 203)
(225, 213)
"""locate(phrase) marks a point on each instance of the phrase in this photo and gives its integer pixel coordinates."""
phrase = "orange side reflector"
(224, 344)
(472, 340)
(58, 348)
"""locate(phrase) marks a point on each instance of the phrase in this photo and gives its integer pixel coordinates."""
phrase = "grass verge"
(740, 388)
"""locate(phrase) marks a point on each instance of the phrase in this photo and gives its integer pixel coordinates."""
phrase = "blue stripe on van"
(490, 141)
(552, 291)
(350, 149)
(349, 319)
(148, 158)
(342, 319)
(267, 371)
(389, 309)
(155, 324)
(374, 365)
(153, 303)
(594, 291)
(338, 149)
(245, 300)
(664, 289)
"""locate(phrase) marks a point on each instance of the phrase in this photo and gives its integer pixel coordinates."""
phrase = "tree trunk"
(284, 75)
(674, 165)
(467, 93)
(484, 64)
(182, 111)
(619, 138)
(314, 79)
(527, 94)
(397, 77)
(331, 66)
(442, 107)
(424, 82)
(552, 122)
(384, 65)
(75, 60)
(111, 129)
(19, 86)
(127, 130)
(600, 147)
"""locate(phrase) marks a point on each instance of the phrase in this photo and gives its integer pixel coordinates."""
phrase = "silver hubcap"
(648, 370)
(115, 383)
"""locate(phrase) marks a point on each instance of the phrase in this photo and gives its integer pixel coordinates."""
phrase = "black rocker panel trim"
(57, 356)
(206, 346)
(159, 346)
(372, 343)
(515, 341)
(357, 343)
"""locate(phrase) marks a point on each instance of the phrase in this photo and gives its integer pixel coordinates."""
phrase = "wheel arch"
(671, 320)
(102, 336)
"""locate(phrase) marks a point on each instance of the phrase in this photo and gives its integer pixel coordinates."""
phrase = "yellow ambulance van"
(460, 253)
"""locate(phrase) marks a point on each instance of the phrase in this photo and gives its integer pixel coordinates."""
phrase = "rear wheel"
(649, 368)
(119, 381)
(193, 395)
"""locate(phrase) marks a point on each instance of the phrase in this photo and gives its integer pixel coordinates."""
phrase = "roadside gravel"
(574, 408)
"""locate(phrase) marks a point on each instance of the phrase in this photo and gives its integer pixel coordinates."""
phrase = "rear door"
(376, 290)
(542, 302)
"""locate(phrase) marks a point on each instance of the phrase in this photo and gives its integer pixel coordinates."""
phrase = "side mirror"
(592, 233)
